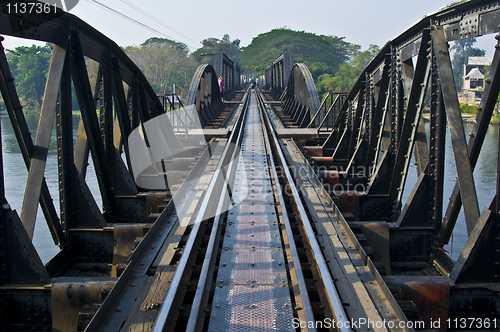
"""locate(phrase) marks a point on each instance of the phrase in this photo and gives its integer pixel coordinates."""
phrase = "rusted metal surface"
(431, 295)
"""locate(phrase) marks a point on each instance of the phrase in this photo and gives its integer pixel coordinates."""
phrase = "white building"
(473, 79)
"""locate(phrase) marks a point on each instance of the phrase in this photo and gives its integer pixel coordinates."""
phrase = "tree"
(163, 62)
(348, 73)
(462, 51)
(322, 54)
(29, 66)
(214, 45)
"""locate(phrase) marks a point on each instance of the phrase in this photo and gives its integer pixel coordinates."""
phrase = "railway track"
(253, 256)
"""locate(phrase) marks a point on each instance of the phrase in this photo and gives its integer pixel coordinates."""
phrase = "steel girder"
(204, 94)
(226, 68)
(300, 101)
(380, 131)
(114, 98)
(277, 74)
(387, 127)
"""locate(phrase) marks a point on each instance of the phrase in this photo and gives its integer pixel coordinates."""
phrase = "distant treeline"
(334, 63)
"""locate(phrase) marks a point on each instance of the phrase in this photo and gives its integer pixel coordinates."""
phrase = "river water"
(16, 174)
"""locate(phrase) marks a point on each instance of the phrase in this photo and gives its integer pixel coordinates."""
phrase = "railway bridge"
(265, 210)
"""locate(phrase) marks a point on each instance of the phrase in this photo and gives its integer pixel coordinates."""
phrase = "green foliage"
(29, 66)
(348, 73)
(213, 45)
(462, 51)
(164, 62)
(163, 42)
(322, 54)
(469, 109)
(486, 69)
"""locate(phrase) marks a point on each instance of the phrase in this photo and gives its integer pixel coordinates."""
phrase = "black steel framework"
(277, 74)
(205, 94)
(377, 132)
(365, 158)
(300, 99)
(230, 72)
(114, 98)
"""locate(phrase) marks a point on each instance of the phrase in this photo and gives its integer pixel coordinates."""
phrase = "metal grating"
(252, 292)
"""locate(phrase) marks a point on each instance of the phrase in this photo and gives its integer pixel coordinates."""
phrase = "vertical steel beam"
(23, 136)
(88, 111)
(485, 111)
(82, 144)
(40, 149)
(437, 127)
(66, 161)
(460, 152)
(421, 151)
(411, 121)
(106, 106)
(378, 117)
(122, 109)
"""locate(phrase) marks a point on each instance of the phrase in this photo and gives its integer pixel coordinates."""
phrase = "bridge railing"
(381, 130)
(180, 120)
(328, 111)
(114, 98)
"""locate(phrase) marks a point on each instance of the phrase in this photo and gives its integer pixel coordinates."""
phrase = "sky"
(361, 22)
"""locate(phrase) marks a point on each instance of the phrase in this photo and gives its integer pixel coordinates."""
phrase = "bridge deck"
(320, 228)
(252, 286)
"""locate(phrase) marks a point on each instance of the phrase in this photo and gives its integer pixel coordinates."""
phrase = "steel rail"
(143, 256)
(348, 239)
(201, 294)
(163, 314)
(332, 294)
(306, 303)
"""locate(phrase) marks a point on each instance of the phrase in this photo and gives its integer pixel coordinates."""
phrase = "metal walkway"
(252, 291)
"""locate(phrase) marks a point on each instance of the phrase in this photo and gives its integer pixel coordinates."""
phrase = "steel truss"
(364, 160)
(114, 98)
(277, 74)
